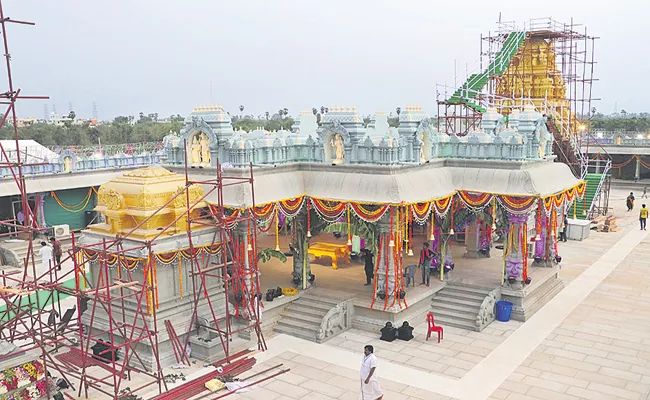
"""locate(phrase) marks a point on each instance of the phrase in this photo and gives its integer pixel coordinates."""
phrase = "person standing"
(369, 267)
(46, 256)
(643, 216)
(426, 256)
(370, 389)
(564, 229)
(630, 201)
(58, 252)
(20, 217)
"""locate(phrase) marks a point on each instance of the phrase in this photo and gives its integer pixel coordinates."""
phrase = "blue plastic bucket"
(504, 309)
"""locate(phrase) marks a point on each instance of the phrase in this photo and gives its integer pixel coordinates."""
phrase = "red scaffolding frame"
(32, 301)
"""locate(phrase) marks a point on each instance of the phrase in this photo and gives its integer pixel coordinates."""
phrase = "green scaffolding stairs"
(591, 193)
(475, 83)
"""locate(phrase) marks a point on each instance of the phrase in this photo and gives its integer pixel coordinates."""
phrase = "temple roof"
(398, 184)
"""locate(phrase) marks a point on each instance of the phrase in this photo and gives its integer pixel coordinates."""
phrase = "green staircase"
(470, 89)
(593, 182)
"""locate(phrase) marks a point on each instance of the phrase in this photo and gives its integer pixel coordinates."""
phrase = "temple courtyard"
(592, 341)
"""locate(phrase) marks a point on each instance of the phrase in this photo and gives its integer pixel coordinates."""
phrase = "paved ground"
(592, 341)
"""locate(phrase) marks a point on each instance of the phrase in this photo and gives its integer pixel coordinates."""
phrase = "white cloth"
(46, 256)
(370, 390)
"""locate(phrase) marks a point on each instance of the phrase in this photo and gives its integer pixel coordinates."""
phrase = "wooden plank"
(19, 292)
(118, 285)
(212, 268)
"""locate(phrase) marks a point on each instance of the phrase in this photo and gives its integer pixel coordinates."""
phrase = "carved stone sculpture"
(196, 151)
(205, 149)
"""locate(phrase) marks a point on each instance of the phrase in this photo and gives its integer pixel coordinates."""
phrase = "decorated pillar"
(516, 251)
(388, 272)
(546, 237)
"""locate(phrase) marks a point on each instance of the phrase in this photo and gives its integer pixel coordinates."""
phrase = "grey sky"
(160, 56)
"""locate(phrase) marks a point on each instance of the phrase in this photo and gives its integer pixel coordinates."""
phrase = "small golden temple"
(132, 203)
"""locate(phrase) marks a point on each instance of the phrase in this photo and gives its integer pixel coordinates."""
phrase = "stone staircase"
(458, 306)
(20, 248)
(304, 317)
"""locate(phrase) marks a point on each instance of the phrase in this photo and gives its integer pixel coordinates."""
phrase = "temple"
(204, 230)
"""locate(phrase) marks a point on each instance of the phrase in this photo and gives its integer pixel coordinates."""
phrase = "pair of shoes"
(427, 285)
(366, 284)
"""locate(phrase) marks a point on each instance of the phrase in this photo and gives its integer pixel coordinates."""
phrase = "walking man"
(426, 256)
(46, 256)
(645, 193)
(370, 389)
(56, 249)
(643, 216)
(630, 201)
(369, 266)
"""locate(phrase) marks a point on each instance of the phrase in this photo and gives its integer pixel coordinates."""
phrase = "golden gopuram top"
(130, 199)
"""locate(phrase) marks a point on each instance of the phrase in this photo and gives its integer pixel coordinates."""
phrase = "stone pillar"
(301, 273)
(514, 260)
(474, 235)
(473, 240)
(386, 260)
(240, 233)
(637, 170)
(598, 165)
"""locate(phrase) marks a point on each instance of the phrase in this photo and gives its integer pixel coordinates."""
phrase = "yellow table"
(334, 251)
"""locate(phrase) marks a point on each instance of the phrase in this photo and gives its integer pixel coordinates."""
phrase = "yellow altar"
(334, 251)
(136, 197)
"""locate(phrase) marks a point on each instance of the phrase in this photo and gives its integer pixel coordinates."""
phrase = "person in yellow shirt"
(643, 216)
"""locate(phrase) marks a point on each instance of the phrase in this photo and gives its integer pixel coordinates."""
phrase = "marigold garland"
(291, 207)
(367, 214)
(76, 208)
(329, 210)
(475, 201)
(421, 212)
(517, 205)
(442, 205)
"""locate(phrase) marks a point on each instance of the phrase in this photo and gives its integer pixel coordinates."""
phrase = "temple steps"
(304, 316)
(20, 248)
(458, 305)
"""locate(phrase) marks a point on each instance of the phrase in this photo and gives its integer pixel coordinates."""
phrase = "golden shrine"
(533, 74)
(129, 200)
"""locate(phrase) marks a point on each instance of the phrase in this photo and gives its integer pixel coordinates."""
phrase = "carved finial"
(354, 109)
(348, 109)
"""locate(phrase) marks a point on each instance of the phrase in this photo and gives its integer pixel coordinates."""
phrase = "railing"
(618, 138)
(337, 320)
(487, 312)
(598, 193)
(109, 150)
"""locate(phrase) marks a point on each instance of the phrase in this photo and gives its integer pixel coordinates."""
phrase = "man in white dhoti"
(370, 389)
(46, 256)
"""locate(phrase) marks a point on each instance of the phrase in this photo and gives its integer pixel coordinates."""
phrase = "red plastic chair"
(431, 327)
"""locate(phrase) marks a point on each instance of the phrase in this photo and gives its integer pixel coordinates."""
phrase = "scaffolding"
(501, 63)
(101, 356)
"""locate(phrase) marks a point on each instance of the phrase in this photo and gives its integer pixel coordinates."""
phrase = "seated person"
(405, 332)
(388, 333)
